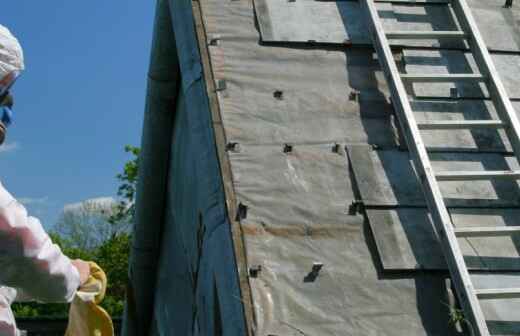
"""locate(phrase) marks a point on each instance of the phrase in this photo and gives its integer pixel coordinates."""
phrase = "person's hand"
(83, 268)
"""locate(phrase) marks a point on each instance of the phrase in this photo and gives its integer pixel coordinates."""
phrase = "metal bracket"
(221, 85)
(241, 212)
(355, 207)
(336, 148)
(215, 40)
(254, 271)
(233, 147)
(354, 95)
(278, 94)
(314, 273)
(287, 148)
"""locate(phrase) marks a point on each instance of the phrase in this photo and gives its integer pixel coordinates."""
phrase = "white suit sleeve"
(28, 258)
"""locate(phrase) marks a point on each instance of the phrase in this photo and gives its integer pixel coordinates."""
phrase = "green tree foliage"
(125, 209)
(111, 254)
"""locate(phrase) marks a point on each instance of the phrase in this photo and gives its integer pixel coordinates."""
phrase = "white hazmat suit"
(31, 266)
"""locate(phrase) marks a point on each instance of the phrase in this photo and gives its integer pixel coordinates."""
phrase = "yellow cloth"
(86, 318)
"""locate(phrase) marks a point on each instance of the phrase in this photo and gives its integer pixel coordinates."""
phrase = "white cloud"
(86, 223)
(93, 204)
(9, 147)
(33, 200)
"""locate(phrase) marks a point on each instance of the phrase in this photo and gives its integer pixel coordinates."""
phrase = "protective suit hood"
(11, 54)
(11, 64)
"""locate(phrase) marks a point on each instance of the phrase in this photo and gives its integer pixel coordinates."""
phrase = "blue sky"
(79, 101)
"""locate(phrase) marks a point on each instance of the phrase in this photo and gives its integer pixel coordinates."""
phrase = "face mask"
(6, 119)
(7, 116)
(7, 82)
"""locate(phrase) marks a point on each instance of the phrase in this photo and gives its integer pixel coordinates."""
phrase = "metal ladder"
(468, 296)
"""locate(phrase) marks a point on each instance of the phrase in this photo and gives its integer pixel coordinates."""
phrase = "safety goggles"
(6, 114)
(7, 82)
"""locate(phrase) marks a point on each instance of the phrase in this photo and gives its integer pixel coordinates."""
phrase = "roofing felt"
(296, 103)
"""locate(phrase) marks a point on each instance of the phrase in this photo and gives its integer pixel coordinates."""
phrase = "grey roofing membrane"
(305, 117)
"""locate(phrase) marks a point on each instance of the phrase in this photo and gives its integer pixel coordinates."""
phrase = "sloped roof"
(299, 91)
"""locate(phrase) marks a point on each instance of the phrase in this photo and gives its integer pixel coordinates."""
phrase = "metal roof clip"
(215, 40)
(233, 147)
(254, 271)
(316, 268)
(354, 95)
(278, 94)
(221, 85)
(241, 211)
(287, 148)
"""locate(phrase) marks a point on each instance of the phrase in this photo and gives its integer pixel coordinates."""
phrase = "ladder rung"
(442, 78)
(492, 231)
(477, 175)
(503, 293)
(425, 34)
(459, 124)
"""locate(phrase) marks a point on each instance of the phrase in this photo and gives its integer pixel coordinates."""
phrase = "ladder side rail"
(434, 198)
(487, 68)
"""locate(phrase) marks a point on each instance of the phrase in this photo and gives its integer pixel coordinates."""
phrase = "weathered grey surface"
(303, 21)
(387, 178)
(298, 203)
(499, 26)
(502, 315)
(406, 239)
(348, 297)
(453, 61)
(343, 21)
(456, 140)
(310, 111)
(298, 214)
(308, 188)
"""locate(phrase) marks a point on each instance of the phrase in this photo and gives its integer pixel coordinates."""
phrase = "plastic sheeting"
(197, 290)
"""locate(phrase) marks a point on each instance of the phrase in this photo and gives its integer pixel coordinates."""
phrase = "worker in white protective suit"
(31, 266)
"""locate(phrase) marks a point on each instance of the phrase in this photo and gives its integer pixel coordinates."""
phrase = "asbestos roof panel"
(406, 239)
(387, 178)
(501, 315)
(340, 22)
(458, 140)
(453, 61)
(499, 26)
(303, 21)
